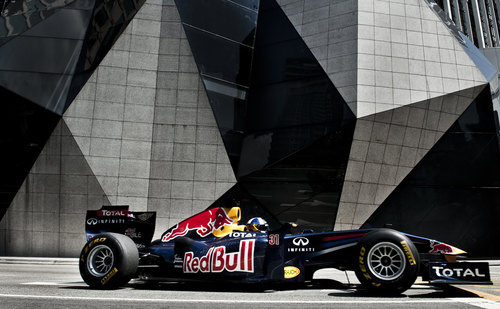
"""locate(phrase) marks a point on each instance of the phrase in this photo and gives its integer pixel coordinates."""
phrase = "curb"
(38, 260)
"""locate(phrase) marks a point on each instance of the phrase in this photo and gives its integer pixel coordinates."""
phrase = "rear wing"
(138, 225)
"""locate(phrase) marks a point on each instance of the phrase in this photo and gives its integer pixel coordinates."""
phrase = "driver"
(257, 224)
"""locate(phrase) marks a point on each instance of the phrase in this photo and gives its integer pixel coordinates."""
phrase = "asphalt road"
(60, 286)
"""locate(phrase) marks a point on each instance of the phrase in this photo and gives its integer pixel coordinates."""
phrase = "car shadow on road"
(344, 290)
(419, 291)
(236, 287)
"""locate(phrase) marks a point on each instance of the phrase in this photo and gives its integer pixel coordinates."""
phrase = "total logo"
(217, 260)
(242, 235)
(301, 243)
(458, 272)
(112, 213)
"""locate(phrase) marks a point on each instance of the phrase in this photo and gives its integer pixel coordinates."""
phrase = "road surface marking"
(479, 302)
(476, 301)
(482, 294)
(53, 283)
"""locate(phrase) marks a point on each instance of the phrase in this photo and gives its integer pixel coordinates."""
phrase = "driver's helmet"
(257, 224)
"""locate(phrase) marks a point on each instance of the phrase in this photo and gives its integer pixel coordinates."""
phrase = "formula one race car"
(212, 245)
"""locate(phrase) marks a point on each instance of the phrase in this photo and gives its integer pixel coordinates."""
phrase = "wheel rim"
(100, 260)
(386, 261)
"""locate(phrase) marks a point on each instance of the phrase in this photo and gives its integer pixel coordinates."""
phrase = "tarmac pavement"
(56, 283)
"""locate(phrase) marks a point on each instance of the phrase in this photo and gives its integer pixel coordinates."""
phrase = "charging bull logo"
(440, 248)
(204, 223)
(217, 260)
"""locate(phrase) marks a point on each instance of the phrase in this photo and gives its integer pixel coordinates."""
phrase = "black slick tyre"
(387, 262)
(108, 261)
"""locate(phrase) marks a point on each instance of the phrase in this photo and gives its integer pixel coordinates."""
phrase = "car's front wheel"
(108, 261)
(387, 262)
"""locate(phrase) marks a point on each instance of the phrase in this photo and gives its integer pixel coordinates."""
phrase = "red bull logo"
(440, 248)
(217, 260)
(204, 223)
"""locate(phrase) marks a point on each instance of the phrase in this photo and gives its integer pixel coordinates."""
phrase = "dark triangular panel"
(238, 196)
(24, 130)
(267, 91)
(298, 128)
(453, 194)
(292, 102)
(305, 187)
(223, 51)
(286, 128)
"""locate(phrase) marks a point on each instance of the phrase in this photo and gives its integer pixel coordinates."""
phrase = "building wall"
(414, 81)
(140, 133)
(47, 215)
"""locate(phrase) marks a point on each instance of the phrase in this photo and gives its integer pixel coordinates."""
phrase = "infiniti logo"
(300, 241)
(92, 221)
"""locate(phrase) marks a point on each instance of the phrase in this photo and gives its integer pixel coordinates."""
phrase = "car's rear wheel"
(387, 262)
(108, 261)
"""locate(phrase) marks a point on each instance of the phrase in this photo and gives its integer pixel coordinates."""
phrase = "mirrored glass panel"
(220, 58)
(221, 17)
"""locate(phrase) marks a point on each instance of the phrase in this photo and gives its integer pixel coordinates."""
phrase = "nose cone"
(441, 247)
(456, 251)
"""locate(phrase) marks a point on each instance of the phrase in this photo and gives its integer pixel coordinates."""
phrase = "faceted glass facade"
(330, 114)
(285, 126)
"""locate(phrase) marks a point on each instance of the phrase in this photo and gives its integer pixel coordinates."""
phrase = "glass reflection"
(290, 97)
(71, 39)
(238, 23)
(285, 127)
(251, 4)
(220, 58)
(19, 16)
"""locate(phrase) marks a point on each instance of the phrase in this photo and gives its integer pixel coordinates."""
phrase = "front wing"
(459, 273)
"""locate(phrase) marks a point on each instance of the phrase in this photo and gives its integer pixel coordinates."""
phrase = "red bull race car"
(212, 246)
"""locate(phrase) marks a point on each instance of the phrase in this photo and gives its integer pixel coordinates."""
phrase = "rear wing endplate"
(138, 225)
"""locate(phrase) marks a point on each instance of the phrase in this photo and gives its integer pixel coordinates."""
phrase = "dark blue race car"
(214, 246)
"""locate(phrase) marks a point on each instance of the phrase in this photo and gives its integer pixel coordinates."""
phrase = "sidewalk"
(38, 260)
